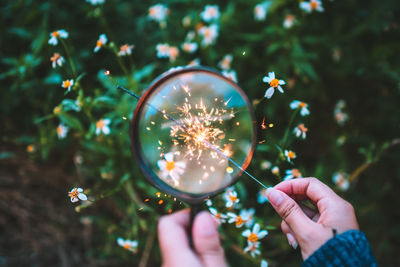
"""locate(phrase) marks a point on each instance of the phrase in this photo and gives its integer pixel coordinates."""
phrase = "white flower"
(248, 216)
(68, 84)
(209, 34)
(290, 155)
(300, 131)
(221, 218)
(125, 50)
(57, 59)
(260, 11)
(293, 173)
(162, 50)
(127, 244)
(102, 126)
(273, 83)
(235, 218)
(95, 2)
(189, 47)
(264, 263)
(190, 36)
(275, 170)
(340, 116)
(209, 202)
(265, 165)
(253, 248)
(100, 42)
(76, 194)
(226, 62)
(62, 131)
(231, 198)
(230, 75)
(262, 196)
(301, 105)
(173, 53)
(255, 235)
(158, 12)
(312, 5)
(171, 168)
(289, 21)
(210, 13)
(341, 181)
(54, 36)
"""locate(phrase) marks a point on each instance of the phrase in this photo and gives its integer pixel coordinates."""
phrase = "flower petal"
(269, 92)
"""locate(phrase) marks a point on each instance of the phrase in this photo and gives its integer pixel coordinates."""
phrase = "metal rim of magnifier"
(136, 147)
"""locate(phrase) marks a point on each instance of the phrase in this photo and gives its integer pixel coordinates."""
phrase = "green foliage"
(349, 52)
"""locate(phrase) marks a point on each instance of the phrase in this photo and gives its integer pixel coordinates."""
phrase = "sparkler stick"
(208, 144)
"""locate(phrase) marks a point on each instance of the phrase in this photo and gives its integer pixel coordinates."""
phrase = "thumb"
(206, 240)
(290, 211)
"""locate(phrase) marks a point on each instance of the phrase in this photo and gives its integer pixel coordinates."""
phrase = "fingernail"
(291, 240)
(274, 196)
(207, 226)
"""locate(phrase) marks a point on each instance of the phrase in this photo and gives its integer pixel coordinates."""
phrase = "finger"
(312, 214)
(173, 237)
(289, 234)
(290, 212)
(308, 188)
(206, 240)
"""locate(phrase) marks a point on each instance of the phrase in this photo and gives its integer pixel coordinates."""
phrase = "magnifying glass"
(193, 134)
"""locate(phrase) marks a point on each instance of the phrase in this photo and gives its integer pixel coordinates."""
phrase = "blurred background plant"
(65, 125)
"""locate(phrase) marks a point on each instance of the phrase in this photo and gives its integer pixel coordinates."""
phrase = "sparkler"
(197, 129)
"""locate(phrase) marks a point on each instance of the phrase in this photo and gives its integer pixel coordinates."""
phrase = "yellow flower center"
(30, 148)
(296, 173)
(74, 193)
(212, 11)
(302, 104)
(100, 124)
(233, 198)
(170, 165)
(253, 237)
(302, 128)
(99, 43)
(290, 154)
(313, 5)
(59, 129)
(152, 11)
(239, 220)
(66, 83)
(56, 110)
(55, 57)
(274, 83)
(127, 246)
(55, 34)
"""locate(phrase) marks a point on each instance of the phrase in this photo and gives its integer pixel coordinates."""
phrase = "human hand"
(303, 226)
(174, 241)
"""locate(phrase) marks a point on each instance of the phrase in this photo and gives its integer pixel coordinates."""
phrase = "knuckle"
(288, 209)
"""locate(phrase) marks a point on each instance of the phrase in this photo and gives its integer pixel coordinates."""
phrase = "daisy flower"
(341, 181)
(247, 216)
(62, 131)
(158, 12)
(189, 47)
(54, 36)
(254, 235)
(265, 165)
(210, 13)
(273, 83)
(290, 155)
(231, 198)
(162, 50)
(95, 2)
(100, 42)
(57, 59)
(293, 173)
(76, 194)
(171, 168)
(226, 62)
(311, 6)
(102, 126)
(230, 75)
(275, 170)
(221, 218)
(68, 84)
(173, 52)
(260, 11)
(125, 50)
(262, 196)
(209, 34)
(235, 218)
(300, 131)
(289, 21)
(190, 36)
(264, 263)
(253, 248)
(296, 104)
(127, 244)
(209, 202)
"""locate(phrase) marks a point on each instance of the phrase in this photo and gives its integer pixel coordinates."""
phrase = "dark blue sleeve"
(350, 248)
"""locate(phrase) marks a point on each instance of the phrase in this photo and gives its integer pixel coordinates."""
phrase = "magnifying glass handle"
(194, 210)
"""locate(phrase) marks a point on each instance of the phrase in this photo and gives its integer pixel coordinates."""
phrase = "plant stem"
(285, 138)
(70, 60)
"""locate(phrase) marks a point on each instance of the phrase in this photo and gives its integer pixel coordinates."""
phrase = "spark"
(147, 200)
